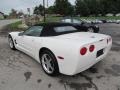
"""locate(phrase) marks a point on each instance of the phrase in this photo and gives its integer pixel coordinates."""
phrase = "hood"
(14, 33)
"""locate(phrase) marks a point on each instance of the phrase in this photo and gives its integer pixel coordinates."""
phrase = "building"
(1, 15)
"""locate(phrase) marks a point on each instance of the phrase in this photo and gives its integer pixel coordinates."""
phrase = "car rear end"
(91, 53)
(81, 50)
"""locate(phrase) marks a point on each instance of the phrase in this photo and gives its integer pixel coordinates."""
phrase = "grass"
(1, 18)
(15, 25)
(11, 27)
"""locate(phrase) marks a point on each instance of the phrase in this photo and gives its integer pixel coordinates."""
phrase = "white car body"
(67, 46)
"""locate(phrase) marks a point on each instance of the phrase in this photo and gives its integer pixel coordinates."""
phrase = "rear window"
(63, 29)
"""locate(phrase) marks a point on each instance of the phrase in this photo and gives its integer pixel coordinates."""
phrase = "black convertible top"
(48, 28)
(53, 24)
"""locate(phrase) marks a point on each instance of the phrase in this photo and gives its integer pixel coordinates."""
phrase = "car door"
(28, 39)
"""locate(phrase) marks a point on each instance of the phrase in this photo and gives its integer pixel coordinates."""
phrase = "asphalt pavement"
(18, 71)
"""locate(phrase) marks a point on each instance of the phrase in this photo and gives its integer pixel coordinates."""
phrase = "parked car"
(118, 21)
(110, 21)
(81, 25)
(104, 20)
(60, 47)
(97, 21)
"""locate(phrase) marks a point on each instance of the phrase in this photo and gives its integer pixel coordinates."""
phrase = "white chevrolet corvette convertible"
(60, 47)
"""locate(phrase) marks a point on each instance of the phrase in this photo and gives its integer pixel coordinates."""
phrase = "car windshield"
(65, 29)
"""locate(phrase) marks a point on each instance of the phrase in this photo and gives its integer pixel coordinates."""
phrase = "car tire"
(11, 43)
(49, 63)
(91, 30)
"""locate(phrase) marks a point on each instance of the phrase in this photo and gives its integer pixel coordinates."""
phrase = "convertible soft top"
(53, 24)
(48, 28)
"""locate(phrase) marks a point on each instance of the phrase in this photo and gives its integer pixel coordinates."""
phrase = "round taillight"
(92, 47)
(109, 40)
(83, 51)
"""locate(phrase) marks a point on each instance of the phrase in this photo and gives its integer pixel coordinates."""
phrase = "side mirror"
(20, 34)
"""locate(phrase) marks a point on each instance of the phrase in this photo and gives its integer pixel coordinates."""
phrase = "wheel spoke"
(47, 63)
(50, 66)
(51, 69)
(45, 57)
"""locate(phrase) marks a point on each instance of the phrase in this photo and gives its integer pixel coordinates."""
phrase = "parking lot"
(21, 72)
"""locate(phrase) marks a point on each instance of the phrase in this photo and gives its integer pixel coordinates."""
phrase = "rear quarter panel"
(64, 48)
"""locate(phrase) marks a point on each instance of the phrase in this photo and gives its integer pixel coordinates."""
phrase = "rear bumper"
(90, 62)
(83, 63)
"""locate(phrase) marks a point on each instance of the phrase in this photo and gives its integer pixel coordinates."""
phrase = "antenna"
(44, 10)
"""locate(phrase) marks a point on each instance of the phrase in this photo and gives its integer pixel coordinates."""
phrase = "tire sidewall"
(12, 43)
(56, 69)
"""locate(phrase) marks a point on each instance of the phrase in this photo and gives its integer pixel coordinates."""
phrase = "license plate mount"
(100, 52)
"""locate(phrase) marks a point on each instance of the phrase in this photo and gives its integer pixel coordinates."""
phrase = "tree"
(118, 6)
(94, 7)
(39, 10)
(81, 8)
(113, 6)
(36, 10)
(13, 13)
(69, 9)
(50, 10)
(63, 7)
(20, 13)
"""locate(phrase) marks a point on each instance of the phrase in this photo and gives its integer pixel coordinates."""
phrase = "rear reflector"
(92, 47)
(60, 57)
(109, 40)
(100, 52)
(83, 51)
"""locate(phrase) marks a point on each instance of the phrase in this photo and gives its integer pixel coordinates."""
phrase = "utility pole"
(28, 9)
(47, 4)
(44, 10)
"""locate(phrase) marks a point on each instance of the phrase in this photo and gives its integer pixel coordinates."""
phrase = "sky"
(22, 5)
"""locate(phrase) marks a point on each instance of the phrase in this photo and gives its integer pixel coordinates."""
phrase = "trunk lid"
(83, 37)
(86, 39)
